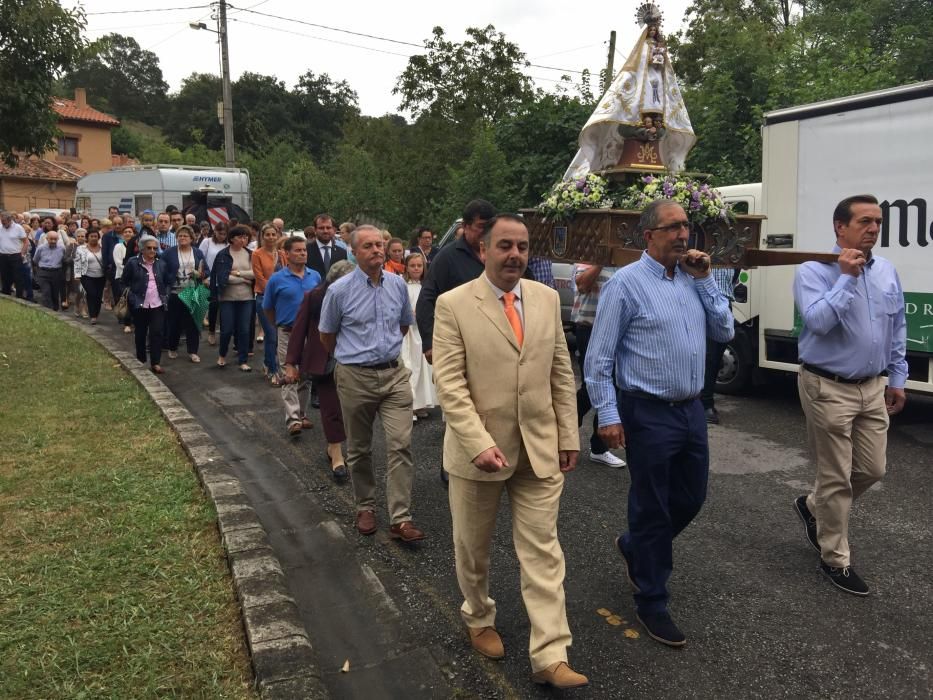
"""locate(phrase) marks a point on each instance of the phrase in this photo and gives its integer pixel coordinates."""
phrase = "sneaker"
(800, 506)
(661, 628)
(172, 355)
(844, 577)
(194, 358)
(607, 458)
(626, 564)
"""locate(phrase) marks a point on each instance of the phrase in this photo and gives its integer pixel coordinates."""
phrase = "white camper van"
(135, 188)
(813, 156)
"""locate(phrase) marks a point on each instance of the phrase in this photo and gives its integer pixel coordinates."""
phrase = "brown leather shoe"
(560, 675)
(406, 532)
(487, 642)
(294, 429)
(366, 522)
(306, 423)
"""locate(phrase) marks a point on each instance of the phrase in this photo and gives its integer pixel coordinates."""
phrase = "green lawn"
(113, 582)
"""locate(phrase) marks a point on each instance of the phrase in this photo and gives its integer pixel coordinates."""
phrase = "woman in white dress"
(422, 379)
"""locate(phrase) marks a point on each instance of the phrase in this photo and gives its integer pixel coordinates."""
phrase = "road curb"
(283, 660)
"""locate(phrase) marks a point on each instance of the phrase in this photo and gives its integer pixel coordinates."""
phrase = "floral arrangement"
(569, 196)
(699, 200)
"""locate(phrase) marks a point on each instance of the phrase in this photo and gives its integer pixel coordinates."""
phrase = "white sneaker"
(607, 458)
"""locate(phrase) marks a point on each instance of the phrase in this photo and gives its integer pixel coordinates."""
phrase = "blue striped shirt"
(367, 318)
(853, 326)
(651, 330)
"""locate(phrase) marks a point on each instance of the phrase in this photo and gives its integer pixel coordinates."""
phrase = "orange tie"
(514, 319)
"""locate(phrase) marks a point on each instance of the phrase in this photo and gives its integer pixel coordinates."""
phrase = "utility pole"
(229, 154)
(612, 52)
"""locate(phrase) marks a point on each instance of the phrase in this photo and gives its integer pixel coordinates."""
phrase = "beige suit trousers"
(364, 393)
(847, 430)
(534, 504)
(295, 396)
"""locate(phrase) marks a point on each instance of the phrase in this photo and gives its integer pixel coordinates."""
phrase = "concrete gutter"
(283, 661)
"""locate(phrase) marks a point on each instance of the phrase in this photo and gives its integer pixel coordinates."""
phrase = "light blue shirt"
(285, 291)
(367, 318)
(49, 258)
(853, 326)
(651, 330)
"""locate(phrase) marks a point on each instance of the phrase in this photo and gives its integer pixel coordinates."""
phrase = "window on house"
(68, 146)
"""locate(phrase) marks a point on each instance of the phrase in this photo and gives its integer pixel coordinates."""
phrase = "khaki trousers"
(847, 430)
(364, 393)
(294, 396)
(534, 504)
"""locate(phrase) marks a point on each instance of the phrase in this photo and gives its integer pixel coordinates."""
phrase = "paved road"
(760, 619)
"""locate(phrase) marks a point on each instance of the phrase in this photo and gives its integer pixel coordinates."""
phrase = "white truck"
(813, 156)
(135, 188)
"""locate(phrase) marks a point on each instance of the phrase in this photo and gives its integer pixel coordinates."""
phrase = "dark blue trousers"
(668, 461)
(234, 320)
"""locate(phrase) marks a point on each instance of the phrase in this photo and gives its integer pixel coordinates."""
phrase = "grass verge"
(112, 579)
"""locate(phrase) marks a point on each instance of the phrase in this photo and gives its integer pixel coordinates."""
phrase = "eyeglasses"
(151, 247)
(674, 227)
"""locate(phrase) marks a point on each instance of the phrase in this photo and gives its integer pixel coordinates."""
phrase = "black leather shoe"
(626, 564)
(844, 577)
(800, 507)
(340, 473)
(712, 415)
(661, 628)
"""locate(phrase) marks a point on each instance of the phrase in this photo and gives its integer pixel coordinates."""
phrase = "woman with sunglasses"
(144, 276)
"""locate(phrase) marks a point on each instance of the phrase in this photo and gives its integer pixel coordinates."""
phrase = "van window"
(739, 206)
(141, 202)
(83, 203)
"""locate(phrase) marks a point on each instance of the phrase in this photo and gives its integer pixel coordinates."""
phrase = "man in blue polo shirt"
(284, 293)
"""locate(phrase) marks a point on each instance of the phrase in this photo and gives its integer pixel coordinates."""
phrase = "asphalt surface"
(760, 619)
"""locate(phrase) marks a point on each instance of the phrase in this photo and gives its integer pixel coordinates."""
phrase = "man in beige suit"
(505, 382)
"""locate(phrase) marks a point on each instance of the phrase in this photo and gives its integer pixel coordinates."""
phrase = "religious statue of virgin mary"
(645, 87)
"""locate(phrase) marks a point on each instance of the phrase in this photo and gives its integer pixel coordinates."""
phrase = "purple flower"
(648, 179)
(668, 189)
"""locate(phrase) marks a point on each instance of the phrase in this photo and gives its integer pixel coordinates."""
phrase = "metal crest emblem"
(559, 241)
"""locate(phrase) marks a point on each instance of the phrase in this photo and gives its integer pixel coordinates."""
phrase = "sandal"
(221, 362)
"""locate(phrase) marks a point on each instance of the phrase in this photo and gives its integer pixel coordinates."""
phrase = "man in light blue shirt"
(364, 318)
(854, 329)
(283, 295)
(651, 327)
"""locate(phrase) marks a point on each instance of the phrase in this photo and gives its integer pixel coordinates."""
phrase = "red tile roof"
(69, 109)
(41, 169)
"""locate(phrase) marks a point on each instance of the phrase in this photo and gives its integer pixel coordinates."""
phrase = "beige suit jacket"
(494, 393)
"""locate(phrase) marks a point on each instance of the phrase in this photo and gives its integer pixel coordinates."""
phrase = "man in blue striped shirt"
(651, 326)
(854, 328)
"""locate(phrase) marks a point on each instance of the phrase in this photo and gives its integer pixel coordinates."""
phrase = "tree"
(262, 110)
(121, 78)
(320, 108)
(39, 40)
(192, 114)
(484, 174)
(463, 82)
(539, 142)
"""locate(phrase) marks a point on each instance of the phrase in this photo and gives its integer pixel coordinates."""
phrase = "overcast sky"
(572, 36)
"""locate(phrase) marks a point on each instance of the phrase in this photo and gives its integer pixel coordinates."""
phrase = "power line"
(333, 29)
(320, 38)
(155, 9)
(560, 53)
(382, 38)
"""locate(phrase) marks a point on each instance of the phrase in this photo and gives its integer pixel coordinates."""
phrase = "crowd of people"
(373, 328)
